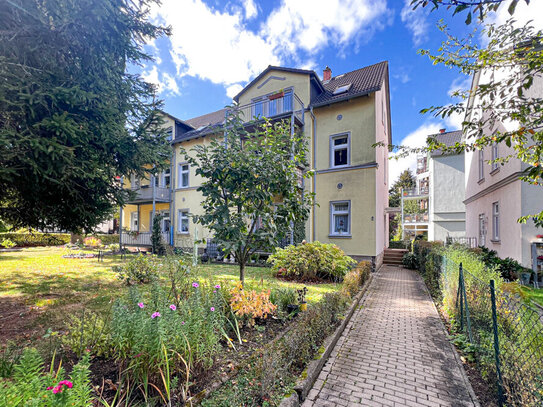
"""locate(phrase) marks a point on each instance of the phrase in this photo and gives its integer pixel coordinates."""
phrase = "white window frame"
(333, 212)
(495, 156)
(482, 231)
(181, 172)
(135, 182)
(180, 218)
(134, 218)
(496, 221)
(481, 164)
(333, 149)
(165, 174)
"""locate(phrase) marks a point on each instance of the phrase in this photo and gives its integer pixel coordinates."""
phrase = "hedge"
(50, 239)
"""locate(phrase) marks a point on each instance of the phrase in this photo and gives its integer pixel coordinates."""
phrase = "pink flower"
(50, 388)
(141, 305)
(155, 314)
(212, 309)
(218, 286)
(173, 307)
(66, 383)
(195, 285)
(182, 322)
(57, 389)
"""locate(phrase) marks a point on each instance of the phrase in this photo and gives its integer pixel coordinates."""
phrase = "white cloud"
(251, 9)
(416, 138)
(402, 77)
(166, 85)
(233, 90)
(416, 22)
(523, 14)
(217, 45)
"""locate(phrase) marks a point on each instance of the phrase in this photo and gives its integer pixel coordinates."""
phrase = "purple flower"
(195, 285)
(212, 309)
(173, 307)
(218, 286)
(141, 305)
(182, 322)
(214, 291)
(155, 314)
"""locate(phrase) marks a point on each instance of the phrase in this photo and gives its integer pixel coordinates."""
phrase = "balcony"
(142, 239)
(413, 193)
(412, 218)
(275, 107)
(145, 194)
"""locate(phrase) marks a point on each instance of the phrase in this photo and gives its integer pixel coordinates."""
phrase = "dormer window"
(342, 89)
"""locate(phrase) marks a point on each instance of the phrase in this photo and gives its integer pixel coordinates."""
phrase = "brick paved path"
(393, 352)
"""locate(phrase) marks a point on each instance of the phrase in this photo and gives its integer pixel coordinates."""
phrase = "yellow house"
(341, 117)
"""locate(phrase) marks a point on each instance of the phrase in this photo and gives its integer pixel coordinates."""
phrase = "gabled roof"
(449, 138)
(312, 75)
(202, 125)
(363, 81)
(175, 119)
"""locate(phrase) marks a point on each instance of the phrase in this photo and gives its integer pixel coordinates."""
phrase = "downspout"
(172, 197)
(314, 177)
(121, 223)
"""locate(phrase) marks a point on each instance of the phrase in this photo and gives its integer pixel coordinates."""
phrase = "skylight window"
(342, 89)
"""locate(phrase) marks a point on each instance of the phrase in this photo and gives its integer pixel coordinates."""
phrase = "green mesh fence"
(504, 332)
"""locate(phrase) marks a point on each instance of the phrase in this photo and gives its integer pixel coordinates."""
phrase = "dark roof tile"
(449, 138)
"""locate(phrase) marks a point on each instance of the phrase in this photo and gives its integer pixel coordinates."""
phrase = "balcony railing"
(146, 192)
(470, 242)
(141, 238)
(415, 218)
(415, 192)
(274, 106)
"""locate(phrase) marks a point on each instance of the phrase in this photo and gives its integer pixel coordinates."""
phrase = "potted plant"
(301, 299)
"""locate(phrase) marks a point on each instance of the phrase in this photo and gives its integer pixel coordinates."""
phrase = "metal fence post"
(496, 343)
(466, 307)
(460, 297)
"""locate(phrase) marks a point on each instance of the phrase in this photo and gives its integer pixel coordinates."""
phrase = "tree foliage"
(504, 106)
(251, 186)
(72, 118)
(406, 180)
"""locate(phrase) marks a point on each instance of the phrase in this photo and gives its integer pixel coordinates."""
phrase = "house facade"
(341, 118)
(495, 196)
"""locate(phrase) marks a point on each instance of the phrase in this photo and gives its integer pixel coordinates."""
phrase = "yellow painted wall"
(359, 188)
(300, 82)
(145, 215)
(358, 118)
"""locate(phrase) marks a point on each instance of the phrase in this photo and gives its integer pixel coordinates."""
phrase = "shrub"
(30, 386)
(113, 247)
(409, 261)
(92, 241)
(249, 304)
(156, 235)
(355, 278)
(90, 332)
(107, 239)
(8, 243)
(282, 298)
(36, 239)
(139, 270)
(400, 244)
(308, 261)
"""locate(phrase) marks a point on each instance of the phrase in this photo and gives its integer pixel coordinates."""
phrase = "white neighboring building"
(496, 197)
(447, 214)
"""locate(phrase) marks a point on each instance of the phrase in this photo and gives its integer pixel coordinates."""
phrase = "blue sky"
(217, 47)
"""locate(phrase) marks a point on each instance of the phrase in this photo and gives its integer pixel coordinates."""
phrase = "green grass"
(533, 294)
(40, 277)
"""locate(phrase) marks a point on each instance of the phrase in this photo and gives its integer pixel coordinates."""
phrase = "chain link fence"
(505, 334)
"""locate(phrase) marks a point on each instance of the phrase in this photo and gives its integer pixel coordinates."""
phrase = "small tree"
(156, 236)
(251, 186)
(406, 180)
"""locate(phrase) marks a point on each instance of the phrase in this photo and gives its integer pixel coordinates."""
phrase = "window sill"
(494, 171)
(495, 241)
(184, 188)
(333, 167)
(481, 181)
(183, 233)
(340, 236)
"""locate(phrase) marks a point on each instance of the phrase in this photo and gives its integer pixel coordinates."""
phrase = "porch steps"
(394, 256)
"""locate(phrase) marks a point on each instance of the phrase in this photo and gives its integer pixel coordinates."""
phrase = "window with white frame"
(496, 221)
(482, 231)
(165, 226)
(183, 219)
(166, 178)
(340, 147)
(134, 181)
(169, 133)
(184, 170)
(495, 156)
(340, 218)
(134, 221)
(481, 165)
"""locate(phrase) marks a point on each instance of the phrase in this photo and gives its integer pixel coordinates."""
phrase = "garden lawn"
(536, 295)
(52, 287)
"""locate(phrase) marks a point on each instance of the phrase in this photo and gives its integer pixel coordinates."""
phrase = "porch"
(142, 239)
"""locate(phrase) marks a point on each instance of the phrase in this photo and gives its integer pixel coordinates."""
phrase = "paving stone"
(393, 352)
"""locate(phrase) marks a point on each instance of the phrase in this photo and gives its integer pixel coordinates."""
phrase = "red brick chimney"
(327, 74)
(442, 131)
